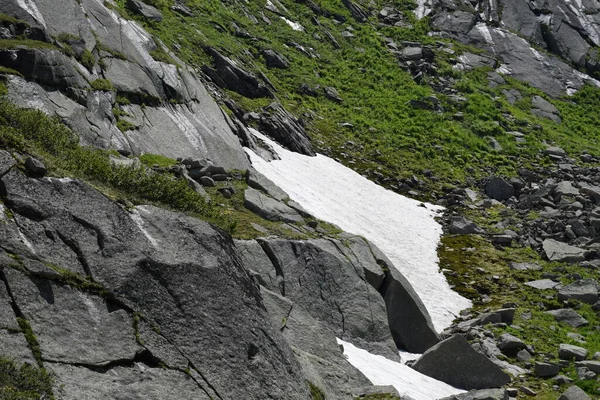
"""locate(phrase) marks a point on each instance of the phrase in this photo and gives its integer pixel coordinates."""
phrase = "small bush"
(102, 84)
(87, 59)
(24, 382)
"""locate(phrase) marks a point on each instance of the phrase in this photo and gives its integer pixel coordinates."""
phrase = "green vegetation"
(151, 160)
(315, 392)
(102, 84)
(124, 125)
(31, 339)
(9, 20)
(24, 382)
(161, 55)
(32, 44)
(9, 71)
(36, 133)
(87, 59)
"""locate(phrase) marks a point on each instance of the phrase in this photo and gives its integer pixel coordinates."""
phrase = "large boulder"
(569, 317)
(455, 362)
(585, 290)
(499, 189)
(269, 208)
(574, 393)
(177, 273)
(562, 252)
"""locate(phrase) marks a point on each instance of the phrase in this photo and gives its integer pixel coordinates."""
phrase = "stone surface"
(584, 290)
(144, 9)
(545, 369)
(258, 181)
(499, 189)
(484, 394)
(542, 284)
(569, 317)
(562, 252)
(455, 362)
(269, 208)
(510, 344)
(461, 225)
(574, 393)
(570, 352)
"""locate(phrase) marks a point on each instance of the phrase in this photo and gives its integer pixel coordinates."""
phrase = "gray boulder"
(258, 181)
(499, 189)
(543, 108)
(574, 393)
(542, 284)
(35, 167)
(510, 344)
(593, 366)
(484, 394)
(145, 10)
(269, 208)
(275, 60)
(463, 226)
(584, 290)
(545, 369)
(562, 252)
(278, 123)
(569, 317)
(455, 362)
(570, 352)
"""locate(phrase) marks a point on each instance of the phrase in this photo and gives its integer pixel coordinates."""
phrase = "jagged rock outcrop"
(89, 276)
(160, 96)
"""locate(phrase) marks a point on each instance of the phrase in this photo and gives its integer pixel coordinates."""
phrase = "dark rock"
(258, 181)
(544, 369)
(455, 362)
(461, 225)
(569, 317)
(562, 252)
(484, 394)
(278, 123)
(146, 10)
(584, 290)
(570, 352)
(332, 94)
(207, 181)
(524, 355)
(35, 167)
(182, 9)
(269, 208)
(499, 189)
(574, 393)
(589, 364)
(227, 74)
(357, 12)
(275, 59)
(510, 344)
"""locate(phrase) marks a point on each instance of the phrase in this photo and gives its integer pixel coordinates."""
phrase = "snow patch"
(31, 8)
(137, 218)
(381, 371)
(294, 25)
(404, 229)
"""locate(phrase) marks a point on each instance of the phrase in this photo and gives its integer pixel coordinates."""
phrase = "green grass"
(7, 19)
(32, 44)
(24, 382)
(32, 131)
(102, 84)
(31, 339)
(9, 71)
(315, 392)
(155, 159)
(161, 55)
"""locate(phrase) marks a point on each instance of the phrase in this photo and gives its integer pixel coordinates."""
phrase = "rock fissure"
(75, 247)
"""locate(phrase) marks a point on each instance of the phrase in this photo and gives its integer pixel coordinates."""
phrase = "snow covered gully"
(404, 229)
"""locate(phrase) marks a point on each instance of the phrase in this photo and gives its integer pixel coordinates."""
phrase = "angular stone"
(499, 189)
(510, 344)
(269, 208)
(35, 167)
(544, 369)
(455, 362)
(275, 59)
(144, 9)
(569, 352)
(71, 326)
(484, 394)
(463, 226)
(569, 317)
(574, 393)
(258, 181)
(562, 252)
(589, 364)
(525, 266)
(584, 290)
(542, 284)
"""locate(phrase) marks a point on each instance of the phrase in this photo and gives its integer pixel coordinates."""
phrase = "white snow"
(485, 32)
(381, 371)
(404, 229)
(294, 25)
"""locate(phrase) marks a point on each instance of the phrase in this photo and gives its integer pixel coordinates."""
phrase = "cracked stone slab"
(14, 346)
(269, 208)
(72, 326)
(138, 382)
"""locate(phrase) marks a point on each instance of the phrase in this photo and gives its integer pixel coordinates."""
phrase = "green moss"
(7, 19)
(24, 382)
(124, 125)
(32, 44)
(9, 71)
(31, 339)
(75, 280)
(315, 392)
(161, 55)
(155, 159)
(112, 52)
(87, 59)
(102, 84)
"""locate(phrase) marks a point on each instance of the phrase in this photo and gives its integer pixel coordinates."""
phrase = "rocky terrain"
(143, 257)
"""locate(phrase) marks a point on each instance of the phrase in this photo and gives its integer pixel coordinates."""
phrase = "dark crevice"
(142, 357)
(100, 237)
(74, 246)
(275, 261)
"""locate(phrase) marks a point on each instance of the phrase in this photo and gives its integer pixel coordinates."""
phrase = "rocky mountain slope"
(142, 256)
